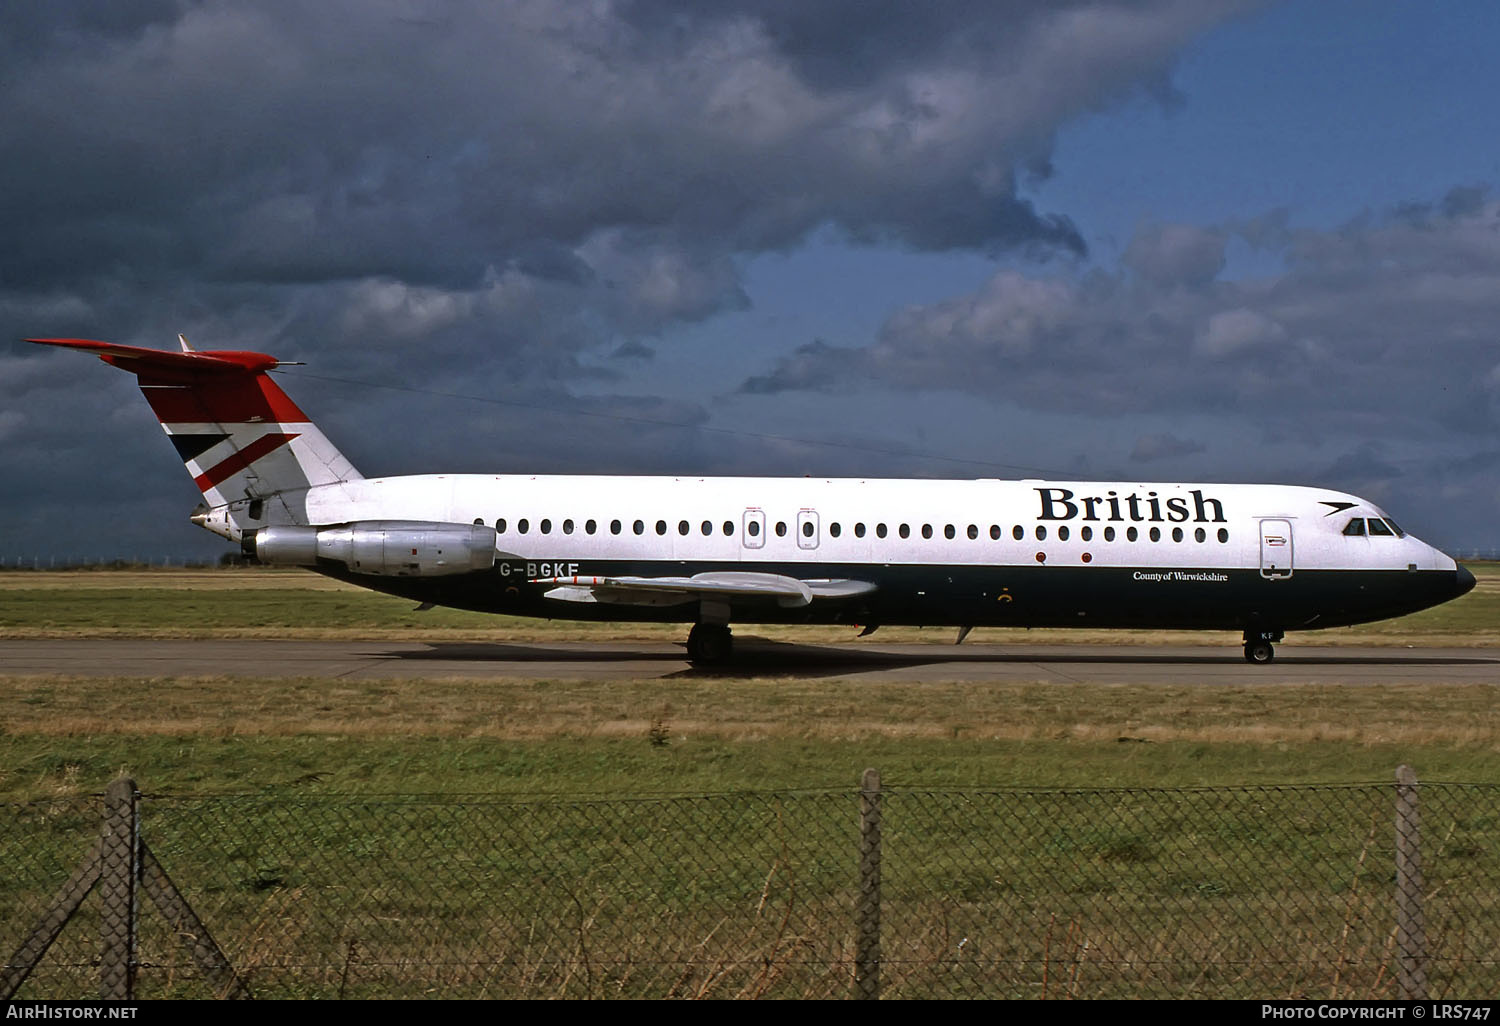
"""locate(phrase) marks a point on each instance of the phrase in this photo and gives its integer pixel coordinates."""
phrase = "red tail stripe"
(223, 399)
(239, 461)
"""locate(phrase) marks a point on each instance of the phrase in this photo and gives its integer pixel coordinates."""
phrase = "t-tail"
(249, 449)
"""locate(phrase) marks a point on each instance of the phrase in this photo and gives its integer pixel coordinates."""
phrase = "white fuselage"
(882, 521)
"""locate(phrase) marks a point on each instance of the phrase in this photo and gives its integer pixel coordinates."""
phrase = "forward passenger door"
(1275, 549)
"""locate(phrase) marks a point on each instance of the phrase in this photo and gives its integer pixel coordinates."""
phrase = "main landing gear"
(1259, 646)
(710, 644)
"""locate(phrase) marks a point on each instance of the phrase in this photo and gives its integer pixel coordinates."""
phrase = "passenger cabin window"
(1377, 526)
(1355, 528)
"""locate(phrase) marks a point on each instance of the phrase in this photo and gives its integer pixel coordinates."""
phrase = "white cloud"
(1231, 332)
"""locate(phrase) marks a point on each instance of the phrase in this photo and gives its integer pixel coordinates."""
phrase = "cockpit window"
(1377, 526)
(1355, 528)
(1393, 526)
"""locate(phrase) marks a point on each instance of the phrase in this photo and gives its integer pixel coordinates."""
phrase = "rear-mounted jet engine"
(381, 548)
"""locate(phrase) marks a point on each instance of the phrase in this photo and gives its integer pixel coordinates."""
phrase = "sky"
(1130, 240)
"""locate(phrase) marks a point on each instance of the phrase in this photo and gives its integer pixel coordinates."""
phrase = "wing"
(725, 585)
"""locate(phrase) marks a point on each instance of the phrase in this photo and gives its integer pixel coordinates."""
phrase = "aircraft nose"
(1464, 580)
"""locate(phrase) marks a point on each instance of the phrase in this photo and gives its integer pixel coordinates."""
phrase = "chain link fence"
(1243, 892)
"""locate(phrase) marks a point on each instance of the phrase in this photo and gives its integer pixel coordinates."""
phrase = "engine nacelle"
(383, 548)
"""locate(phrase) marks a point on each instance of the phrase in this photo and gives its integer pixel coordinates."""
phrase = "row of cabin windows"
(835, 530)
(1356, 528)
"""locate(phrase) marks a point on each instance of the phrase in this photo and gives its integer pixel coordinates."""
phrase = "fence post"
(1411, 933)
(867, 903)
(119, 868)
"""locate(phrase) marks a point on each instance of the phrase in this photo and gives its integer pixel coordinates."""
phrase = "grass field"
(511, 735)
(313, 755)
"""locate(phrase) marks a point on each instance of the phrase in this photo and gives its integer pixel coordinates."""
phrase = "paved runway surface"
(1112, 664)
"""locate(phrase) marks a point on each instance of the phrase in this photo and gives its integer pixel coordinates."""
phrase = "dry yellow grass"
(246, 579)
(746, 710)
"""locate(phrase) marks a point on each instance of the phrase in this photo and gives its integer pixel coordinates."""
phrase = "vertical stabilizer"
(249, 449)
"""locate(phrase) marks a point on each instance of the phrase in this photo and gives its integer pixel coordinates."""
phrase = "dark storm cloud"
(435, 143)
(1163, 446)
(515, 186)
(499, 195)
(1365, 463)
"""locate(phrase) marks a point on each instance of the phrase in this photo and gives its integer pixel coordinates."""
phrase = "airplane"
(706, 551)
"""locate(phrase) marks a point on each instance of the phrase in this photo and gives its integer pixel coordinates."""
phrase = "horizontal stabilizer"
(151, 362)
(724, 585)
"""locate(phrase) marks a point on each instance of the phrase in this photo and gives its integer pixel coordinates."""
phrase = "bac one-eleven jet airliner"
(1261, 559)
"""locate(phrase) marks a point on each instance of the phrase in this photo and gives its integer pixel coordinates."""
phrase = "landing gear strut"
(709, 644)
(1259, 647)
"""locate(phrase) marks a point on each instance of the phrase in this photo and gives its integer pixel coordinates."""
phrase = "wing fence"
(1357, 891)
